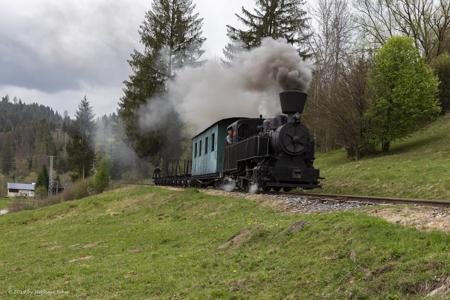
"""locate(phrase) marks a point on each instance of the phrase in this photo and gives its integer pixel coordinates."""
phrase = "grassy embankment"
(418, 167)
(152, 243)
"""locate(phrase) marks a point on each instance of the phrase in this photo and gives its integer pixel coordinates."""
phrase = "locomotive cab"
(245, 128)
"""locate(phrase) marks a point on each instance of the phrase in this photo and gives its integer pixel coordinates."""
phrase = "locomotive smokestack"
(292, 101)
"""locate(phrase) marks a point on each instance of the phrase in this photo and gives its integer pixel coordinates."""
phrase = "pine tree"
(172, 38)
(80, 149)
(43, 179)
(279, 19)
(102, 174)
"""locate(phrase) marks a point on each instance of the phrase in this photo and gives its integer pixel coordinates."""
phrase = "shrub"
(78, 190)
(102, 174)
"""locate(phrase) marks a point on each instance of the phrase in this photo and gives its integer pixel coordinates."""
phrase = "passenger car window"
(200, 149)
(213, 142)
(195, 150)
(206, 145)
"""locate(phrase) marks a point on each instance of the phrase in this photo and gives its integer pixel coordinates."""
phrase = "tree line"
(82, 146)
(382, 68)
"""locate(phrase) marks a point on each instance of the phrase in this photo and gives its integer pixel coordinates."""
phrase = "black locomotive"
(250, 154)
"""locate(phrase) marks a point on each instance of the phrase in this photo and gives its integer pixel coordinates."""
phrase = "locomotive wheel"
(276, 189)
(287, 189)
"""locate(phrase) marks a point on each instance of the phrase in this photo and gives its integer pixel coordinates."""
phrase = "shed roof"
(22, 186)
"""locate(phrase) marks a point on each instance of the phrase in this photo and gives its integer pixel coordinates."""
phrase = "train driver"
(229, 138)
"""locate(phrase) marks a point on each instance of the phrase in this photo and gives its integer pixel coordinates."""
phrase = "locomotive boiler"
(251, 154)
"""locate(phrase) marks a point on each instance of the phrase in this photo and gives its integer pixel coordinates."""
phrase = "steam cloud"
(246, 88)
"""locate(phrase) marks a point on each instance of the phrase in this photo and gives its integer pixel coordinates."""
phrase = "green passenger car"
(208, 150)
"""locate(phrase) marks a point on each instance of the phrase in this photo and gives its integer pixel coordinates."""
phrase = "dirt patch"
(244, 236)
(422, 218)
(81, 259)
(383, 269)
(90, 245)
(297, 226)
(441, 291)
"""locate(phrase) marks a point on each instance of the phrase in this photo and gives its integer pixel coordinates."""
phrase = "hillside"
(145, 242)
(418, 167)
(28, 134)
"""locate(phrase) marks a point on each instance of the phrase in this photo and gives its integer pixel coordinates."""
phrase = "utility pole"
(51, 183)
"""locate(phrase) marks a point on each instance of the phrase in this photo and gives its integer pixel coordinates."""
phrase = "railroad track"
(364, 199)
(376, 200)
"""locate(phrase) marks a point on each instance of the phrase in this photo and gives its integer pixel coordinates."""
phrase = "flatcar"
(250, 154)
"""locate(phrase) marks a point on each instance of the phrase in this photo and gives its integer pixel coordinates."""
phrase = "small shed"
(21, 189)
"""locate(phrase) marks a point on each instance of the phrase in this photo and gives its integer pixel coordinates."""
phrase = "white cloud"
(55, 52)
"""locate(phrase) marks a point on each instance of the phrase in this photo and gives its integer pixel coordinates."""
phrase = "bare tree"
(331, 46)
(427, 21)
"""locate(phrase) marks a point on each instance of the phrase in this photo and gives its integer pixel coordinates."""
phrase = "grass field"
(418, 167)
(4, 202)
(151, 243)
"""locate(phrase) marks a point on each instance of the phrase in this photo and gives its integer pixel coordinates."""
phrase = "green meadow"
(153, 243)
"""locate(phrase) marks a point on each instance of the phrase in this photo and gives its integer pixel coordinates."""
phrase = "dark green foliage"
(279, 19)
(43, 179)
(16, 114)
(441, 67)
(7, 158)
(102, 174)
(80, 149)
(171, 36)
(34, 131)
(405, 93)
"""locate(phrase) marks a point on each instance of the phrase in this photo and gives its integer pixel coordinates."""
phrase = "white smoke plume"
(246, 88)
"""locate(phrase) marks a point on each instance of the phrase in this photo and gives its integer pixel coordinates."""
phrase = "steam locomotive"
(250, 154)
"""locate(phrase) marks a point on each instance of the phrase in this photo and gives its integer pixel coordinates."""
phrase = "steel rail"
(377, 200)
(353, 198)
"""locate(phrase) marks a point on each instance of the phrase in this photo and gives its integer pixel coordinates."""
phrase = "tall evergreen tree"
(80, 149)
(172, 37)
(43, 179)
(279, 19)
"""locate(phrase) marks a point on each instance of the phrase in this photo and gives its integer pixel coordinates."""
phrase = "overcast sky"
(54, 52)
